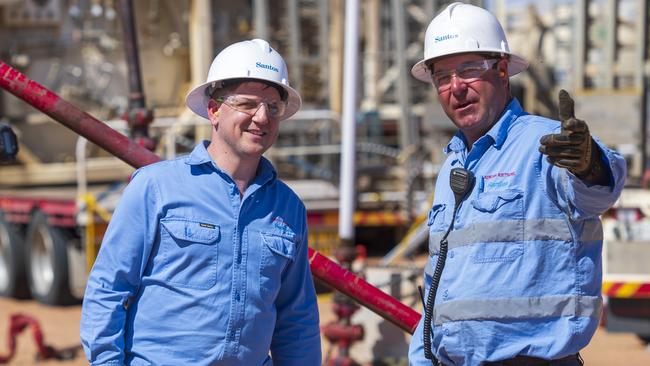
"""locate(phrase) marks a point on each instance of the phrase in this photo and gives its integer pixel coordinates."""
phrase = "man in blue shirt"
(514, 273)
(205, 259)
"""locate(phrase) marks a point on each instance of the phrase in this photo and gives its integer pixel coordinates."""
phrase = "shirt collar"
(457, 143)
(200, 155)
(497, 133)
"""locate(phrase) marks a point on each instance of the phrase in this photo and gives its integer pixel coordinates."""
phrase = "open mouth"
(463, 105)
(256, 132)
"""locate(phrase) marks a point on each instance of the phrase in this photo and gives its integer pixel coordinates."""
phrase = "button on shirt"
(523, 273)
(190, 273)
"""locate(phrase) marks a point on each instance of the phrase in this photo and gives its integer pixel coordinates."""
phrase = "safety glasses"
(274, 109)
(468, 72)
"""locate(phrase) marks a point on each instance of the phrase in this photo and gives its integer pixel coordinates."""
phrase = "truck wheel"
(13, 282)
(47, 262)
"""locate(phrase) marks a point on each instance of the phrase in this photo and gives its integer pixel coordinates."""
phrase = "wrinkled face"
(472, 98)
(242, 124)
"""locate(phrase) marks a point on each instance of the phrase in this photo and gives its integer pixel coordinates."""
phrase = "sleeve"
(296, 337)
(115, 277)
(578, 199)
(416, 347)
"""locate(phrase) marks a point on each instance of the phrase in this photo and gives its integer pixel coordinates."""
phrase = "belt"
(534, 361)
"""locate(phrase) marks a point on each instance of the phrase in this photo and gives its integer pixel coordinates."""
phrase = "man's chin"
(465, 122)
(255, 150)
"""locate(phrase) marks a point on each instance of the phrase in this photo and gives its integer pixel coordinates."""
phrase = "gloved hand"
(572, 147)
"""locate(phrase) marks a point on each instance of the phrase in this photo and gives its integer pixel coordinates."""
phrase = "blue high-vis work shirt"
(190, 273)
(523, 270)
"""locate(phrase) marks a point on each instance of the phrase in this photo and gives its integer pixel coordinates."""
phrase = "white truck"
(626, 264)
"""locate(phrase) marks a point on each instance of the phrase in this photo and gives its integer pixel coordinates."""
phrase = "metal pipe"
(371, 59)
(611, 45)
(201, 51)
(136, 96)
(348, 121)
(408, 133)
(261, 19)
(137, 115)
(641, 77)
(137, 156)
(200, 34)
(295, 51)
(580, 40)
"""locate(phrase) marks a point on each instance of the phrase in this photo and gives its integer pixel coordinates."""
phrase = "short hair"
(231, 84)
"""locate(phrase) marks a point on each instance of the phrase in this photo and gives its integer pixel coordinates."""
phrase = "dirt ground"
(60, 326)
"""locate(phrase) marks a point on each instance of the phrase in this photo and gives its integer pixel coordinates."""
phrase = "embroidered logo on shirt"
(281, 225)
(209, 226)
(498, 175)
(497, 181)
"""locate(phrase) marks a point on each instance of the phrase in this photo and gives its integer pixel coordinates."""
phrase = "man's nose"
(262, 114)
(457, 84)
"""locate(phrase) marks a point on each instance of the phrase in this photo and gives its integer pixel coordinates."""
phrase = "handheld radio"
(461, 182)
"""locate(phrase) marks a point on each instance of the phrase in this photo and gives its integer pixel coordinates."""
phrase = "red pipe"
(137, 156)
(366, 294)
(77, 120)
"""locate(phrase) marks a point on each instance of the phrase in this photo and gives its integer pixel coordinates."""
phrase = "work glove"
(572, 147)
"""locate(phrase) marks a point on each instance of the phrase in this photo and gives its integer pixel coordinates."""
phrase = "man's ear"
(213, 112)
(503, 68)
(503, 72)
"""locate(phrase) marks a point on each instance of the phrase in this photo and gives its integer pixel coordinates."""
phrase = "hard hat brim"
(516, 64)
(197, 99)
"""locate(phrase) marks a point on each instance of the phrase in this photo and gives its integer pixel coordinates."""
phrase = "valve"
(8, 144)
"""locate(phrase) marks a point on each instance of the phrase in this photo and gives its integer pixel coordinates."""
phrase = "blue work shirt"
(523, 270)
(190, 273)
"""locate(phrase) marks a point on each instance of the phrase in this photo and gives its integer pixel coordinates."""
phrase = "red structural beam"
(137, 156)
(72, 117)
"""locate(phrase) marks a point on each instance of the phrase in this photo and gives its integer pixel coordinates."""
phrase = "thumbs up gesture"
(572, 147)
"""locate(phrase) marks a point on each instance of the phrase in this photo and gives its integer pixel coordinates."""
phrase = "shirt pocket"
(277, 251)
(189, 249)
(436, 219)
(436, 224)
(500, 218)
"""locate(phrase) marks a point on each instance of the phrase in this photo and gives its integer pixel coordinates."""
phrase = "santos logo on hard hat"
(269, 67)
(445, 37)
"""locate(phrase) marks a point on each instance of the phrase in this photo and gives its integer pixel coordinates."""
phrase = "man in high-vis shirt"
(514, 273)
(205, 259)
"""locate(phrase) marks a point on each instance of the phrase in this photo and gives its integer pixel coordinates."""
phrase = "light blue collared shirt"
(190, 273)
(523, 271)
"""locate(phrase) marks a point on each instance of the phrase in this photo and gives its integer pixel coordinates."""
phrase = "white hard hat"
(463, 28)
(255, 60)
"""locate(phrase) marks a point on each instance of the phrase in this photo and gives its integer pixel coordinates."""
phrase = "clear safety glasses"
(468, 72)
(274, 109)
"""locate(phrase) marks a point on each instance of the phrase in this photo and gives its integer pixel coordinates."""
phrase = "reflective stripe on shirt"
(518, 308)
(515, 231)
